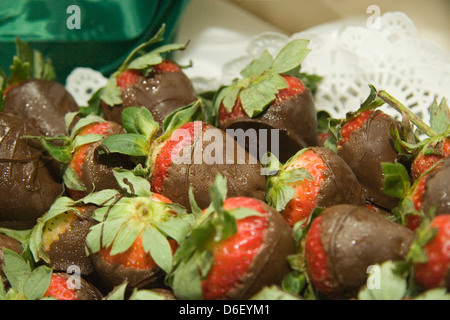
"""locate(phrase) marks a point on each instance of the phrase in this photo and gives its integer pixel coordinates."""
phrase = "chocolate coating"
(270, 265)
(111, 275)
(340, 184)
(42, 103)
(243, 172)
(295, 118)
(437, 190)
(97, 170)
(70, 248)
(364, 152)
(8, 243)
(355, 238)
(160, 93)
(26, 184)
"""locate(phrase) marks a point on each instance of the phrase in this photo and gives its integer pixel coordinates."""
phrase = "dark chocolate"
(70, 248)
(86, 290)
(340, 184)
(27, 187)
(243, 172)
(437, 190)
(355, 238)
(41, 103)
(295, 118)
(367, 148)
(270, 265)
(160, 93)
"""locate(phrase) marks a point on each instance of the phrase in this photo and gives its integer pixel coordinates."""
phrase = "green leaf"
(59, 153)
(83, 122)
(37, 283)
(15, 268)
(183, 115)
(101, 198)
(434, 294)
(94, 105)
(126, 236)
(294, 282)
(196, 211)
(178, 227)
(291, 56)
(383, 283)
(118, 293)
(279, 195)
(85, 139)
(145, 295)
(396, 180)
(273, 293)
(186, 282)
(242, 213)
(227, 96)
(145, 61)
(258, 66)
(440, 116)
(158, 246)
(110, 93)
(132, 184)
(71, 181)
(131, 144)
(139, 120)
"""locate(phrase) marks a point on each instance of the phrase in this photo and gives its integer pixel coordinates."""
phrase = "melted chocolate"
(364, 152)
(41, 103)
(355, 238)
(340, 184)
(243, 172)
(437, 190)
(160, 93)
(26, 184)
(270, 265)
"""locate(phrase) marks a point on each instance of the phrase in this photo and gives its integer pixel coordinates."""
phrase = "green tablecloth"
(108, 29)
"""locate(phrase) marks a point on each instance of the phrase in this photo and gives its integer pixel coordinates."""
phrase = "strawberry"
(58, 239)
(150, 80)
(314, 177)
(27, 183)
(59, 289)
(232, 243)
(33, 94)
(364, 143)
(85, 167)
(344, 241)
(64, 287)
(136, 234)
(435, 271)
(429, 156)
(269, 96)
(189, 153)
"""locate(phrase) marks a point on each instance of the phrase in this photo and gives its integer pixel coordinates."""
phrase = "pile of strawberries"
(154, 191)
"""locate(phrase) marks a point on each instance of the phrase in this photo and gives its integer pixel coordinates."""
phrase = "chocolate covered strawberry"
(427, 196)
(85, 167)
(271, 104)
(32, 93)
(364, 141)
(344, 241)
(238, 246)
(429, 156)
(314, 177)
(59, 237)
(65, 286)
(136, 233)
(189, 153)
(27, 184)
(150, 80)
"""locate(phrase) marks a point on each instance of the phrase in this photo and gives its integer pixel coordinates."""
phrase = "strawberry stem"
(397, 105)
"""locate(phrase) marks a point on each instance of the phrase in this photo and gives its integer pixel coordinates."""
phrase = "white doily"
(349, 57)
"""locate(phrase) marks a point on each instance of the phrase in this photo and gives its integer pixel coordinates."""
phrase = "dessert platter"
(315, 167)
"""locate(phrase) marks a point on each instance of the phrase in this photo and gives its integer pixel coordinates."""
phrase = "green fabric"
(110, 29)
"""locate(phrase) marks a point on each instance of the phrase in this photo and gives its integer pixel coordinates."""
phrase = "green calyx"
(139, 60)
(279, 186)
(123, 217)
(141, 128)
(194, 258)
(262, 79)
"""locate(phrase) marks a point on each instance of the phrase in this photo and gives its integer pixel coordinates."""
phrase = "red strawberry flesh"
(59, 289)
(234, 255)
(353, 125)
(423, 162)
(306, 191)
(432, 273)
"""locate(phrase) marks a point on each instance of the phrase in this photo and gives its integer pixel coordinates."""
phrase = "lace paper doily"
(349, 57)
